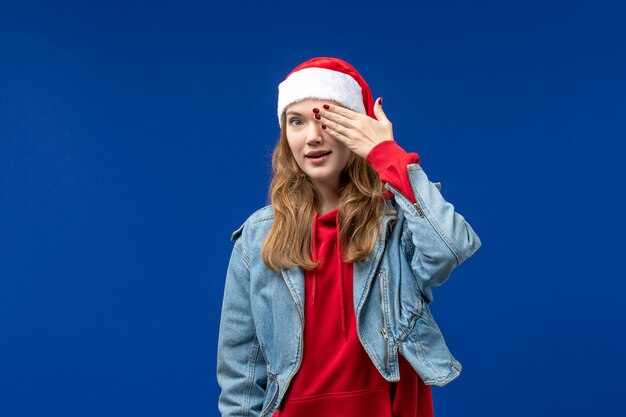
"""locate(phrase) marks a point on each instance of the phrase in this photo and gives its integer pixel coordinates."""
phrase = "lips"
(317, 154)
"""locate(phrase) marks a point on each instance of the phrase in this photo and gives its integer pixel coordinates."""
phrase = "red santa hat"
(326, 78)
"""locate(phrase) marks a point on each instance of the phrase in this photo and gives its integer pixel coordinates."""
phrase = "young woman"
(325, 309)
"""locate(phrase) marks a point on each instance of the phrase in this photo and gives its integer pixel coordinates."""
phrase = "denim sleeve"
(440, 238)
(241, 368)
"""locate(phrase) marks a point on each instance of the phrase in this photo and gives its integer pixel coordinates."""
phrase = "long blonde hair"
(294, 200)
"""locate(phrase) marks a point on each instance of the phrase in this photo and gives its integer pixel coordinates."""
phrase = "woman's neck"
(325, 208)
(329, 198)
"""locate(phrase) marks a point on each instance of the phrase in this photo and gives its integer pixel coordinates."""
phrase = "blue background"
(136, 136)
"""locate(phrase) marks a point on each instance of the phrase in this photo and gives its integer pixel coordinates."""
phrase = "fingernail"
(380, 101)
(323, 126)
(317, 116)
(326, 106)
(316, 110)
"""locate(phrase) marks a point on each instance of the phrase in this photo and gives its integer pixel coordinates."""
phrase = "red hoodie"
(337, 377)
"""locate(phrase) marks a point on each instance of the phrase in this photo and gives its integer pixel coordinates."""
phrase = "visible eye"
(294, 121)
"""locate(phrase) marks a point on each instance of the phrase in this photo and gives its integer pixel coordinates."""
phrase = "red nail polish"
(316, 110)
(317, 116)
(380, 101)
(326, 106)
(323, 126)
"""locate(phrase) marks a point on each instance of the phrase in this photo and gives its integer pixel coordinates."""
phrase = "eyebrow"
(293, 112)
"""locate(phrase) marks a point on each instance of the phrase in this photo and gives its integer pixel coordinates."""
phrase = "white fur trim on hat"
(322, 84)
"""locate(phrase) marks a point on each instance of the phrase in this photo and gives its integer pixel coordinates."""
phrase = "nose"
(314, 134)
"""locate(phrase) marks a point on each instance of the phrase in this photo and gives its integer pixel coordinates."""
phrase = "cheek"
(295, 141)
(293, 147)
(345, 154)
(345, 161)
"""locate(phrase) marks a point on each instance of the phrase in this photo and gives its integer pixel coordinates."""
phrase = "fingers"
(359, 132)
(343, 135)
(335, 129)
(378, 111)
(345, 122)
(337, 132)
(349, 118)
(341, 111)
(338, 115)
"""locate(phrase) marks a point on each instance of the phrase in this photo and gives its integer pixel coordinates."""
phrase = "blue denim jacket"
(261, 328)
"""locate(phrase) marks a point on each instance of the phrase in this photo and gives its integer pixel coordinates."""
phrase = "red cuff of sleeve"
(389, 160)
(387, 153)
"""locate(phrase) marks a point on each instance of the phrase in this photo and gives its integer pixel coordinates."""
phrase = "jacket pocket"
(271, 395)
